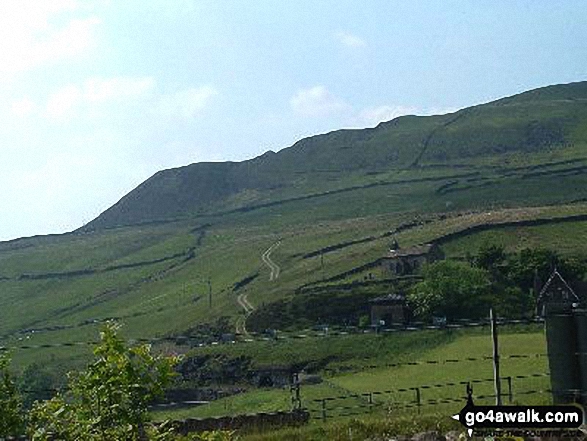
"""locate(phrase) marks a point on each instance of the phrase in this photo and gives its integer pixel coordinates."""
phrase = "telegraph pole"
(209, 293)
(496, 379)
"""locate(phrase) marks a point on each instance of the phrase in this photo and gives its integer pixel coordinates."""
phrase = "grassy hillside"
(332, 202)
(485, 143)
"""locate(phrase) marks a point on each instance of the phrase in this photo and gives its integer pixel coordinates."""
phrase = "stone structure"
(401, 262)
(390, 309)
(556, 296)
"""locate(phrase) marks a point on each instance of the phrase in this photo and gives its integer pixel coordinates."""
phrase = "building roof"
(418, 250)
(389, 298)
(565, 291)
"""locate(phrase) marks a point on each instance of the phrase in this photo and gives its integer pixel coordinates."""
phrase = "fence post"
(510, 391)
(296, 397)
(323, 410)
(496, 379)
(418, 398)
(370, 401)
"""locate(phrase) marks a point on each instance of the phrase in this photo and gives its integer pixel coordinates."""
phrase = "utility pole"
(209, 293)
(496, 379)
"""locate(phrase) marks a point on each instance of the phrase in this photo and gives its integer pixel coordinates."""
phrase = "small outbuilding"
(388, 310)
(556, 296)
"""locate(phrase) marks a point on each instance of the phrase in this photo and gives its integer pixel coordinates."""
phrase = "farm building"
(388, 310)
(402, 261)
(556, 296)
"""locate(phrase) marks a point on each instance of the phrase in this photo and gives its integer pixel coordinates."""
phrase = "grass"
(373, 374)
(172, 296)
(562, 237)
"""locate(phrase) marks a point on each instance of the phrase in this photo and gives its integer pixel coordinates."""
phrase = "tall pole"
(209, 293)
(496, 379)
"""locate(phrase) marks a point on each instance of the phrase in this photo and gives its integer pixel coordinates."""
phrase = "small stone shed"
(403, 261)
(556, 296)
(391, 309)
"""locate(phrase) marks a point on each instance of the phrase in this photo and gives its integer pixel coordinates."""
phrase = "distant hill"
(549, 123)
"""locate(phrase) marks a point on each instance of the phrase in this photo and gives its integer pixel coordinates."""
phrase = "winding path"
(248, 309)
(266, 257)
(242, 299)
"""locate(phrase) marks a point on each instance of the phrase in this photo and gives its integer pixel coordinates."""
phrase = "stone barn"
(390, 309)
(404, 261)
(556, 296)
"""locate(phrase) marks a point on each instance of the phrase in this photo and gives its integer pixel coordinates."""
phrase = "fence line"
(343, 368)
(278, 336)
(321, 412)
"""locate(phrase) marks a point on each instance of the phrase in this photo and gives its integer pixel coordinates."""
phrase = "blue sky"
(97, 95)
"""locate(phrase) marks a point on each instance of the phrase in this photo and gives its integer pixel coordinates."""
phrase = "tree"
(11, 421)
(109, 400)
(37, 383)
(540, 262)
(451, 289)
(490, 257)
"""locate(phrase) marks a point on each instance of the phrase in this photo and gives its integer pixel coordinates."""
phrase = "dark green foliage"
(304, 310)
(536, 265)
(37, 383)
(11, 417)
(208, 331)
(109, 399)
(210, 369)
(490, 257)
(451, 289)
(492, 278)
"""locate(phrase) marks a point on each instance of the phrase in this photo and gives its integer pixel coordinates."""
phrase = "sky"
(96, 95)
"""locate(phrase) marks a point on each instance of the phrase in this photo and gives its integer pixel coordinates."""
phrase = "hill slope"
(548, 124)
(329, 201)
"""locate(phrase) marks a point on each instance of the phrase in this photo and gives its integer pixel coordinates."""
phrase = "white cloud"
(317, 101)
(94, 91)
(29, 38)
(62, 102)
(374, 115)
(186, 103)
(350, 40)
(100, 89)
(23, 108)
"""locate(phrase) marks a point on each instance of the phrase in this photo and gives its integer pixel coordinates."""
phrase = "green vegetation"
(109, 399)
(410, 148)
(494, 185)
(392, 363)
(11, 421)
(452, 290)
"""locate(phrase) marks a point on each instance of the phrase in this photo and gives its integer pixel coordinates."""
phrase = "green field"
(176, 257)
(364, 367)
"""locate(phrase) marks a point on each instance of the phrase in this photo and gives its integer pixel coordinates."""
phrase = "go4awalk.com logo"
(519, 418)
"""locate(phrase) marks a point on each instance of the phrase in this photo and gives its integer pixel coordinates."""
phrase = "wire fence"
(440, 389)
(272, 336)
(387, 400)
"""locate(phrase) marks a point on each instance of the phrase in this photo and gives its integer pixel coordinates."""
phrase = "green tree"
(37, 383)
(451, 289)
(490, 257)
(109, 400)
(11, 421)
(540, 262)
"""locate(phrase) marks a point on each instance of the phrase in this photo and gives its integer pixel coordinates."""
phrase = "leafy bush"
(11, 421)
(109, 399)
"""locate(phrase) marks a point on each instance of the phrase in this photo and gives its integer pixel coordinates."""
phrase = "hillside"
(540, 127)
(290, 231)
